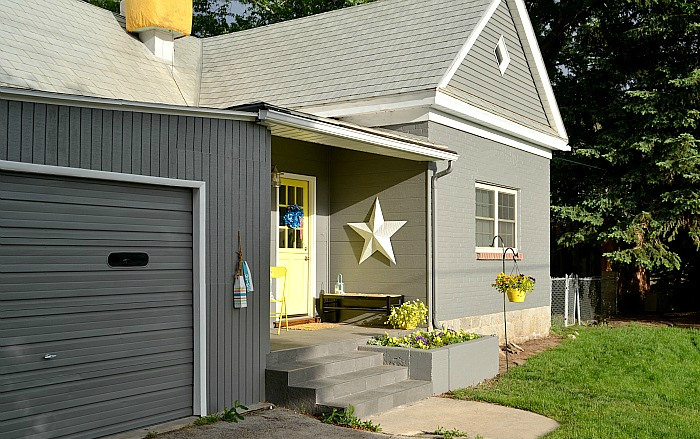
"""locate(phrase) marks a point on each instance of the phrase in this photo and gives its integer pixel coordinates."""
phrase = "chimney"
(158, 23)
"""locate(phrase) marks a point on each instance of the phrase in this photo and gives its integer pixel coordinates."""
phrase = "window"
(495, 215)
(502, 56)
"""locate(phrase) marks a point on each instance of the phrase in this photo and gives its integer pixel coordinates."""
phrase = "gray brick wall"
(415, 128)
(464, 283)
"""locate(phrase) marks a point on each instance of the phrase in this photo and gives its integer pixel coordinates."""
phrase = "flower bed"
(424, 339)
(450, 367)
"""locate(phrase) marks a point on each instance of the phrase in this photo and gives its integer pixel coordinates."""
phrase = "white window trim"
(505, 61)
(505, 190)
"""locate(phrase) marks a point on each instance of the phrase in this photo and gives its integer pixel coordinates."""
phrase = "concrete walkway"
(476, 418)
(415, 420)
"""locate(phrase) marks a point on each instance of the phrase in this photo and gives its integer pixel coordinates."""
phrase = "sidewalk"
(475, 418)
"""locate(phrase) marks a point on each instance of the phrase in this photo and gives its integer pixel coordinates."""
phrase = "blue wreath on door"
(292, 216)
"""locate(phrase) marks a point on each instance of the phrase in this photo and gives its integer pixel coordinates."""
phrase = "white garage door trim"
(198, 253)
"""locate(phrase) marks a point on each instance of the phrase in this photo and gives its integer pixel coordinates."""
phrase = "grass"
(347, 418)
(627, 382)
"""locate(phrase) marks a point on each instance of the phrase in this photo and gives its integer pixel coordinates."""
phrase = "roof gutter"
(43, 97)
(355, 133)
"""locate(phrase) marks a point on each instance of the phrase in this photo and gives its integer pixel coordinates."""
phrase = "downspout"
(433, 229)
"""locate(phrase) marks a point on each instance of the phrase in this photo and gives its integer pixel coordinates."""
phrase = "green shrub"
(409, 315)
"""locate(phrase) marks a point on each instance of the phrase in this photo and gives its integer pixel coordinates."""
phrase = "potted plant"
(515, 285)
(408, 316)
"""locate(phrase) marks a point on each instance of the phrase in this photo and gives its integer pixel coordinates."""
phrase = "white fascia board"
(448, 104)
(393, 102)
(43, 97)
(276, 117)
(447, 77)
(456, 123)
(532, 52)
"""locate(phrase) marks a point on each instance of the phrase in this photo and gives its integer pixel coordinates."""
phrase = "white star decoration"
(377, 234)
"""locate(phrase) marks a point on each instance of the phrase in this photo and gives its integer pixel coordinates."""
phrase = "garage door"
(96, 332)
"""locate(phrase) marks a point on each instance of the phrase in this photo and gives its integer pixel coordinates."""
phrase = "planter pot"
(516, 295)
(449, 368)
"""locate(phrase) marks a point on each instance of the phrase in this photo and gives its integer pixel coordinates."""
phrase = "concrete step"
(294, 372)
(338, 386)
(381, 398)
(308, 352)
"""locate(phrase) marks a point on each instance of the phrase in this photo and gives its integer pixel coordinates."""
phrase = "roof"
(292, 124)
(73, 47)
(374, 49)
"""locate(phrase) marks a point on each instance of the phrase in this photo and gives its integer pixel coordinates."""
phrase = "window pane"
(300, 196)
(300, 240)
(484, 203)
(507, 231)
(290, 195)
(506, 206)
(283, 194)
(291, 234)
(282, 235)
(484, 233)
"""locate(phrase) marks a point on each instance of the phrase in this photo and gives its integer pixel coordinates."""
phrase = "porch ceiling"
(306, 127)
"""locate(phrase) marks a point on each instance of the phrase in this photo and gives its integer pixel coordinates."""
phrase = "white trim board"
(44, 97)
(448, 104)
(198, 254)
(485, 132)
(534, 57)
(447, 77)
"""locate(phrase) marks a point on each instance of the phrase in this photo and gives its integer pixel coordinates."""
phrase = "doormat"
(313, 326)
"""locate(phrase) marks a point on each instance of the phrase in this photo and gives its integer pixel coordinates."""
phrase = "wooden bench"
(330, 305)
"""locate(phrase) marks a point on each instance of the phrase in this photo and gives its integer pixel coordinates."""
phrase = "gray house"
(129, 162)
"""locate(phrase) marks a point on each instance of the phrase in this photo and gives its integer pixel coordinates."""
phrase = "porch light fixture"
(276, 177)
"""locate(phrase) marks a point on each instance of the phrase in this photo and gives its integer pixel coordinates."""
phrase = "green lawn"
(627, 382)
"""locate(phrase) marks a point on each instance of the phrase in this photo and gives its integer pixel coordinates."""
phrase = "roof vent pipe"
(433, 229)
(158, 23)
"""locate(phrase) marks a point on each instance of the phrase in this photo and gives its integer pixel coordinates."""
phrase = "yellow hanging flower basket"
(515, 295)
(515, 286)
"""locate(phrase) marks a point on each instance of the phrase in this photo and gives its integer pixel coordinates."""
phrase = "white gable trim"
(448, 104)
(534, 57)
(454, 122)
(468, 45)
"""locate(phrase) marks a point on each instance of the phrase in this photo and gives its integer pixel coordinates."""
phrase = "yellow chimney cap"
(175, 15)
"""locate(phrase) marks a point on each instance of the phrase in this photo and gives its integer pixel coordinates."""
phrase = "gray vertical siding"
(310, 159)
(478, 80)
(464, 283)
(356, 180)
(232, 157)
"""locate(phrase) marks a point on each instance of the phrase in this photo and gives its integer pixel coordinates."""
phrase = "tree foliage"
(626, 75)
(111, 5)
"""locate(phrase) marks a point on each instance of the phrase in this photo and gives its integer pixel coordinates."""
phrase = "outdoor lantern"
(276, 177)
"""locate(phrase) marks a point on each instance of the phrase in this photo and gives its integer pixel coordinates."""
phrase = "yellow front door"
(294, 245)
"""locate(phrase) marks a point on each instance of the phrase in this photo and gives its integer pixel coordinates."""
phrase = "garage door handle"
(49, 356)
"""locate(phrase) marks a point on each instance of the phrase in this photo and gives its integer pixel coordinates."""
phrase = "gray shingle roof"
(68, 46)
(380, 48)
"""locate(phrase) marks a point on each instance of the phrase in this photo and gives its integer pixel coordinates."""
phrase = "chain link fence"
(580, 299)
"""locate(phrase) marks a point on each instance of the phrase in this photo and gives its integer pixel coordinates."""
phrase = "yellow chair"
(276, 273)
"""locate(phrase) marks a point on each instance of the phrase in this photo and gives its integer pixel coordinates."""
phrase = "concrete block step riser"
(340, 367)
(308, 352)
(360, 384)
(382, 403)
